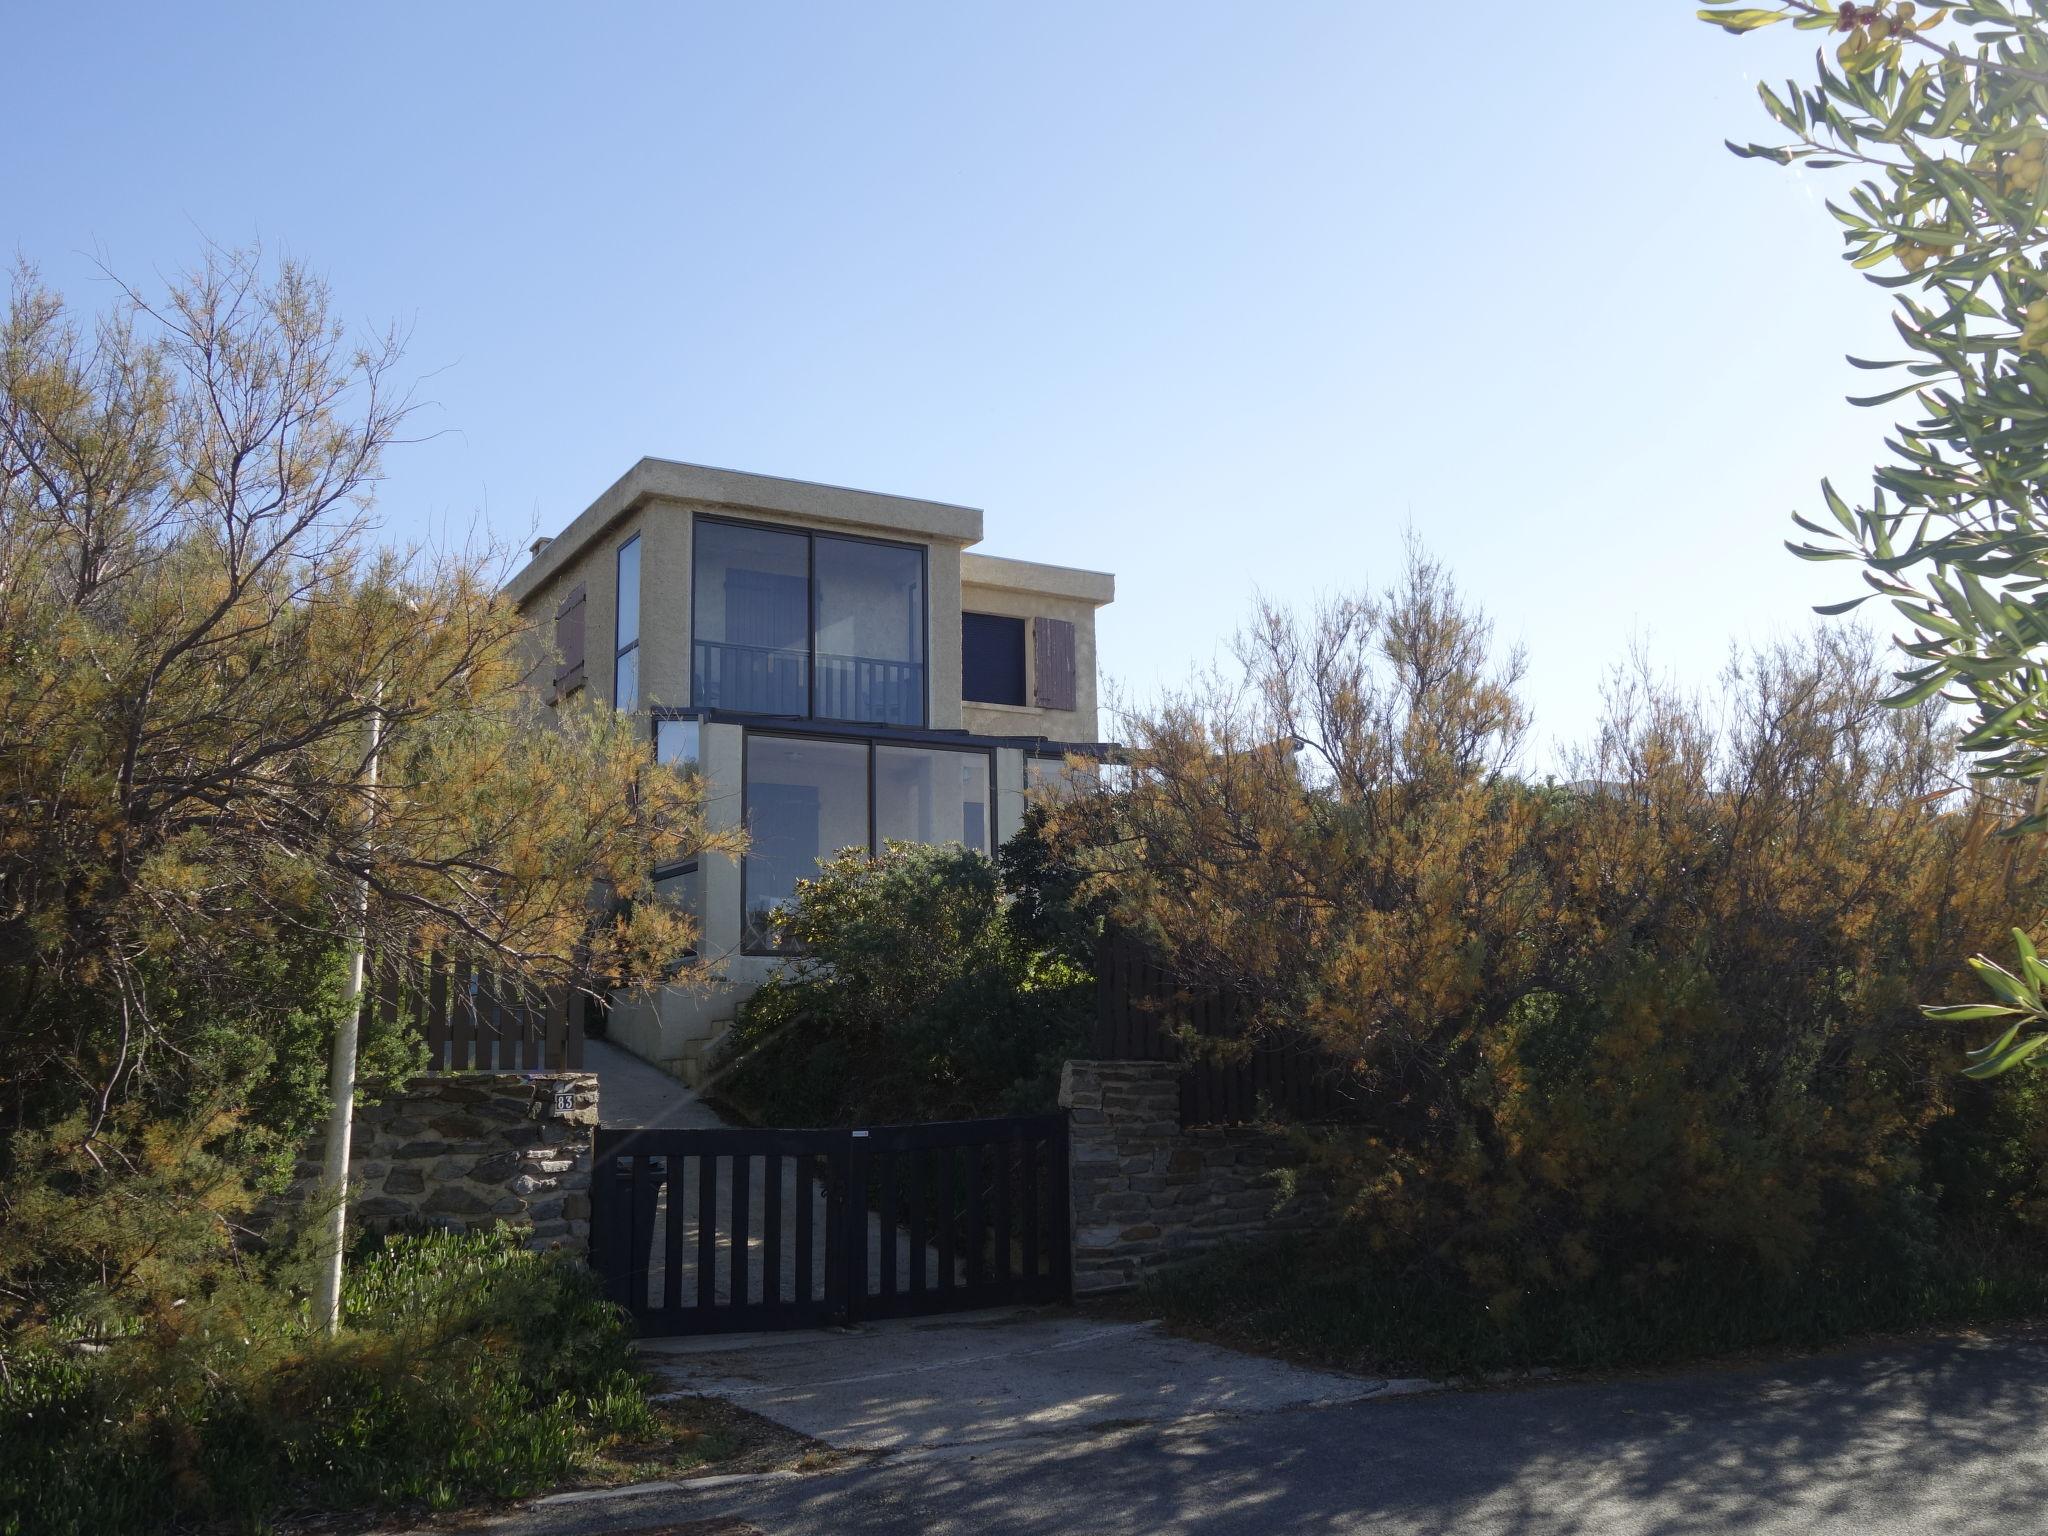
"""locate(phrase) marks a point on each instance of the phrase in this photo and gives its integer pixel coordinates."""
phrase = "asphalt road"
(1933, 1436)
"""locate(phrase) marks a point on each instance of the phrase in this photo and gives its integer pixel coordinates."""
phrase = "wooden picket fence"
(474, 1019)
(1142, 1012)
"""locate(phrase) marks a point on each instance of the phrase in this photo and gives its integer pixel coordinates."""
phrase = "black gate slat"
(833, 1301)
(1030, 1219)
(806, 1221)
(886, 1233)
(771, 1230)
(1005, 1151)
(974, 1230)
(636, 1276)
(707, 1231)
(913, 1179)
(610, 1231)
(672, 1233)
(944, 1160)
(1060, 1167)
(854, 1207)
(742, 1210)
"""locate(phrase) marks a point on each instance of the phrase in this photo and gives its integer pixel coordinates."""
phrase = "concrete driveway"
(1930, 1436)
(972, 1379)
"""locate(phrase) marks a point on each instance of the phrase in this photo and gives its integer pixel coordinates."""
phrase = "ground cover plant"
(467, 1368)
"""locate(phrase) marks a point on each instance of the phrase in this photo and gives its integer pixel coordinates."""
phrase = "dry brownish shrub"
(1665, 1007)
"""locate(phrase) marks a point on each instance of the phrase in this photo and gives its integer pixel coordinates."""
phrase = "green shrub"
(934, 984)
(467, 1368)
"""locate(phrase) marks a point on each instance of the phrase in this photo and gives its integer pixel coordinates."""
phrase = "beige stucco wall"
(596, 567)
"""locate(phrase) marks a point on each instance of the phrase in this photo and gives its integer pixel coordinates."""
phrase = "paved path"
(631, 1093)
(981, 1377)
(1942, 1436)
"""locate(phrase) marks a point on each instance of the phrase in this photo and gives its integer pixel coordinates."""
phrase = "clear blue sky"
(1220, 297)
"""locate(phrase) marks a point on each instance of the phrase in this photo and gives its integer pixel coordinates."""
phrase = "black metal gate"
(708, 1231)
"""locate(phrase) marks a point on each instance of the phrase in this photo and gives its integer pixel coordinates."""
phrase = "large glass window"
(787, 623)
(929, 795)
(1054, 778)
(869, 600)
(626, 640)
(677, 744)
(750, 620)
(806, 801)
(808, 798)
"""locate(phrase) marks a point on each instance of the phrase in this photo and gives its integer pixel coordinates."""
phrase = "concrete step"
(700, 1057)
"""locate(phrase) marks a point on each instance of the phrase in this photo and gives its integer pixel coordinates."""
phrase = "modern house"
(839, 665)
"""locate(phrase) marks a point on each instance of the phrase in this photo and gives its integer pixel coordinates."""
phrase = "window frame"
(810, 536)
(868, 742)
(670, 872)
(621, 651)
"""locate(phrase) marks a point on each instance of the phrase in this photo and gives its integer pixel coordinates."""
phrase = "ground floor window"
(809, 798)
(683, 886)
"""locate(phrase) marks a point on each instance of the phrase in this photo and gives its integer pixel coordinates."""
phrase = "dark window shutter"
(1053, 656)
(992, 659)
(569, 642)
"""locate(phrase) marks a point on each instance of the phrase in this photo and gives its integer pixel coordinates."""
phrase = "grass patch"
(1331, 1301)
(693, 1435)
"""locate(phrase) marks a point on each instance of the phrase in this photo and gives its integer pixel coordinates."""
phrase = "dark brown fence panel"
(1142, 1012)
(474, 1019)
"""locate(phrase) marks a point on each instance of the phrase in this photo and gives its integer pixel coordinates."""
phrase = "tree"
(1940, 116)
(195, 629)
(1583, 1026)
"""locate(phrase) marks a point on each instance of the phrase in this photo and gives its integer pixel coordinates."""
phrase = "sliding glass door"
(809, 798)
(807, 625)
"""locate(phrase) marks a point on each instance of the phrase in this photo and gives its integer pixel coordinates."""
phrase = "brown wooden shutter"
(569, 642)
(1053, 662)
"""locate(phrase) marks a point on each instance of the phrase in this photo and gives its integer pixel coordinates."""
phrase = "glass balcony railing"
(765, 680)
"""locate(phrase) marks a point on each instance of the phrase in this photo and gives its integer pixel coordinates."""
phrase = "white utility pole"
(342, 1076)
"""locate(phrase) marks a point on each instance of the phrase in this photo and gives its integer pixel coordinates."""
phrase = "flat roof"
(670, 479)
(1097, 587)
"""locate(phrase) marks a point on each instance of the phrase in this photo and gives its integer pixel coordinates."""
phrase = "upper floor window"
(807, 625)
(626, 638)
(992, 659)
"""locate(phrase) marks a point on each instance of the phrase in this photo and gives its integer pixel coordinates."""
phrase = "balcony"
(772, 680)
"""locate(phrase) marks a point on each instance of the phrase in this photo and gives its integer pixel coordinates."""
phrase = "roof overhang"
(994, 571)
(669, 480)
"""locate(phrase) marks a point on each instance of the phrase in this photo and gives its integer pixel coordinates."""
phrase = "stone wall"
(470, 1148)
(1146, 1192)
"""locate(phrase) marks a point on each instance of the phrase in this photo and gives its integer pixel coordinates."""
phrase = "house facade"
(840, 666)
